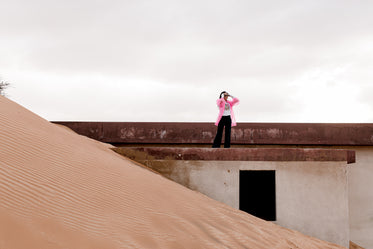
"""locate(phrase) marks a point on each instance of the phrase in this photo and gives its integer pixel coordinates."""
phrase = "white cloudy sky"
(168, 60)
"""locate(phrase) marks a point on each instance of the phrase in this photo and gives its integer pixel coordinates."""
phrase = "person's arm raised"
(234, 100)
(220, 102)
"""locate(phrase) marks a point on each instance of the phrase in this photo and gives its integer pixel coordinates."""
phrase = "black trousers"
(227, 122)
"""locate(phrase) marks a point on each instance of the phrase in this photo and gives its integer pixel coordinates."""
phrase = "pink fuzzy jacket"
(221, 104)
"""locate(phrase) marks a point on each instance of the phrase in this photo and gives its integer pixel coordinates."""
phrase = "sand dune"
(62, 190)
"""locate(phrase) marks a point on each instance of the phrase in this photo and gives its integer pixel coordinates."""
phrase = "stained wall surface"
(311, 197)
(361, 197)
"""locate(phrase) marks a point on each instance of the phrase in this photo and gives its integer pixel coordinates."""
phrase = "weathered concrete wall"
(314, 199)
(244, 133)
(311, 197)
(310, 183)
(361, 197)
(240, 154)
(360, 187)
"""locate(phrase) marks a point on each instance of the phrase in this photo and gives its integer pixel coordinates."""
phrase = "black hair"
(222, 94)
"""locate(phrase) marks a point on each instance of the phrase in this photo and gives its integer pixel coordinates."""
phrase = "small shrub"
(3, 86)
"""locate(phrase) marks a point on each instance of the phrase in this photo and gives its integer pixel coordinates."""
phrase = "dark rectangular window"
(258, 193)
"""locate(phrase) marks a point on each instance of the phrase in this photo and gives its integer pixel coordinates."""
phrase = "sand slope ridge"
(62, 190)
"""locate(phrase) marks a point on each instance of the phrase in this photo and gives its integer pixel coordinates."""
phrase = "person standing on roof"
(225, 119)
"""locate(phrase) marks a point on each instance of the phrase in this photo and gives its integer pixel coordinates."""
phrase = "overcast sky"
(168, 60)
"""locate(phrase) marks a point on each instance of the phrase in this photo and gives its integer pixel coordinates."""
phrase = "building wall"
(361, 197)
(360, 193)
(311, 197)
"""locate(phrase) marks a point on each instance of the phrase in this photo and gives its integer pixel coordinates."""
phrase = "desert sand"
(62, 190)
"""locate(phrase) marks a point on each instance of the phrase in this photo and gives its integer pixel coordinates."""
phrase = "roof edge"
(340, 134)
(237, 154)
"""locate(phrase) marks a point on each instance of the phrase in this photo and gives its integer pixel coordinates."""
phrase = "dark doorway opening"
(258, 193)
